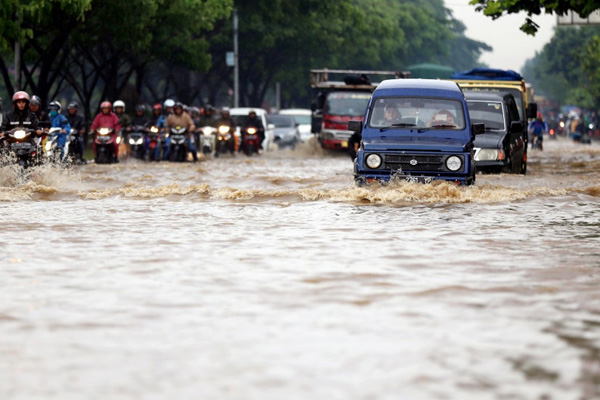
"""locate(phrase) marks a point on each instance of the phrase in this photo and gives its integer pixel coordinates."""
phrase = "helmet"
(157, 106)
(168, 103)
(73, 104)
(106, 104)
(20, 95)
(140, 107)
(119, 103)
(35, 101)
(225, 111)
(251, 112)
(55, 105)
(178, 105)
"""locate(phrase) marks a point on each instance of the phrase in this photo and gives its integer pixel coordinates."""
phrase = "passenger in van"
(442, 118)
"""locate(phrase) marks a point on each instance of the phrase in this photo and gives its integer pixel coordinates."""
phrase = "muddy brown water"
(275, 278)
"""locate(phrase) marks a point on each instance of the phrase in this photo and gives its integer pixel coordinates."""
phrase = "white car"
(240, 115)
(302, 117)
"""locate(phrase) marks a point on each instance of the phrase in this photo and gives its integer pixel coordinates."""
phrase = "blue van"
(417, 130)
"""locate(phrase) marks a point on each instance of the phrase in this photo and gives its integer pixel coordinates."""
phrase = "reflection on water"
(274, 277)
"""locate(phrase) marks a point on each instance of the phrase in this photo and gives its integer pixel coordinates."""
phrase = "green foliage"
(567, 70)
(496, 8)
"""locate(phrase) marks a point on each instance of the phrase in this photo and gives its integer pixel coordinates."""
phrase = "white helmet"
(168, 103)
(119, 103)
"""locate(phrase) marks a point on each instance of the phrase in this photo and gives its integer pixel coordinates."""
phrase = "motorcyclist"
(57, 120)
(536, 129)
(124, 119)
(208, 118)
(140, 119)
(168, 107)
(20, 116)
(179, 118)
(107, 119)
(157, 120)
(78, 124)
(255, 122)
(35, 106)
(227, 120)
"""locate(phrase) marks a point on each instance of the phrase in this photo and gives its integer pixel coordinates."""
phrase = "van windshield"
(351, 104)
(419, 112)
(488, 113)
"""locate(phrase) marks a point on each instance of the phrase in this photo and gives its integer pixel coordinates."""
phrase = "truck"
(340, 96)
(502, 82)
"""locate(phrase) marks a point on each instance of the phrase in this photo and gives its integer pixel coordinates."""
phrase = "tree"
(495, 9)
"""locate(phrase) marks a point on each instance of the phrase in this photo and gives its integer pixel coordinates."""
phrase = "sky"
(511, 46)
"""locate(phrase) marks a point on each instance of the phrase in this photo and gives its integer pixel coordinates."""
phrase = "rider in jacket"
(77, 123)
(255, 122)
(107, 119)
(179, 118)
(57, 120)
(20, 116)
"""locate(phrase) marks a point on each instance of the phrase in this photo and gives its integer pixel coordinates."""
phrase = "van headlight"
(453, 163)
(373, 161)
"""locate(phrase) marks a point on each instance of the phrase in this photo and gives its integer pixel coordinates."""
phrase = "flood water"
(275, 278)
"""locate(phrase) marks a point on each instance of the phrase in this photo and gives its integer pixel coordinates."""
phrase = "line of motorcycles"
(212, 140)
(23, 147)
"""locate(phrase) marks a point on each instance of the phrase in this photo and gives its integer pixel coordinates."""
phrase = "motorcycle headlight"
(104, 131)
(453, 163)
(139, 141)
(562, 124)
(19, 134)
(48, 146)
(373, 161)
(207, 131)
(486, 155)
(251, 131)
(131, 141)
(223, 129)
(119, 140)
(154, 129)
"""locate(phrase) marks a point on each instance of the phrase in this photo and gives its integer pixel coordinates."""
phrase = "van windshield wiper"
(436, 127)
(385, 128)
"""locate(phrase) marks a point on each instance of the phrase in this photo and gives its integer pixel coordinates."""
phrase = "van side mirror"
(355, 126)
(532, 110)
(516, 126)
(478, 129)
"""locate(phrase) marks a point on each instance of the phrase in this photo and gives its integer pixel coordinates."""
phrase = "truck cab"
(340, 96)
(417, 130)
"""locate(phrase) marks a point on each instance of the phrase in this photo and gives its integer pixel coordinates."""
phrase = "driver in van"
(442, 118)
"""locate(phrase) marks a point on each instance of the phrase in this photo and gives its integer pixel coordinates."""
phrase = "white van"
(302, 117)
(239, 116)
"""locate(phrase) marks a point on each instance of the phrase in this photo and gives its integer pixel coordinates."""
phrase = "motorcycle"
(225, 141)
(178, 149)
(154, 142)
(586, 136)
(73, 147)
(105, 145)
(552, 134)
(207, 139)
(250, 141)
(21, 144)
(51, 147)
(136, 142)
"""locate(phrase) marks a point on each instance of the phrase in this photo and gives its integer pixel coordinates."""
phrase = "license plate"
(19, 145)
(345, 143)
(418, 179)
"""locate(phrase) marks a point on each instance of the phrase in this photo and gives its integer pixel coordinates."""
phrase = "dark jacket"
(19, 119)
(77, 122)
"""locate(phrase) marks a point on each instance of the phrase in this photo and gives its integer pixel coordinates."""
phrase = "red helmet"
(20, 95)
(157, 106)
(106, 104)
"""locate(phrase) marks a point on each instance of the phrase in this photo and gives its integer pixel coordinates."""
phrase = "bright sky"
(511, 46)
